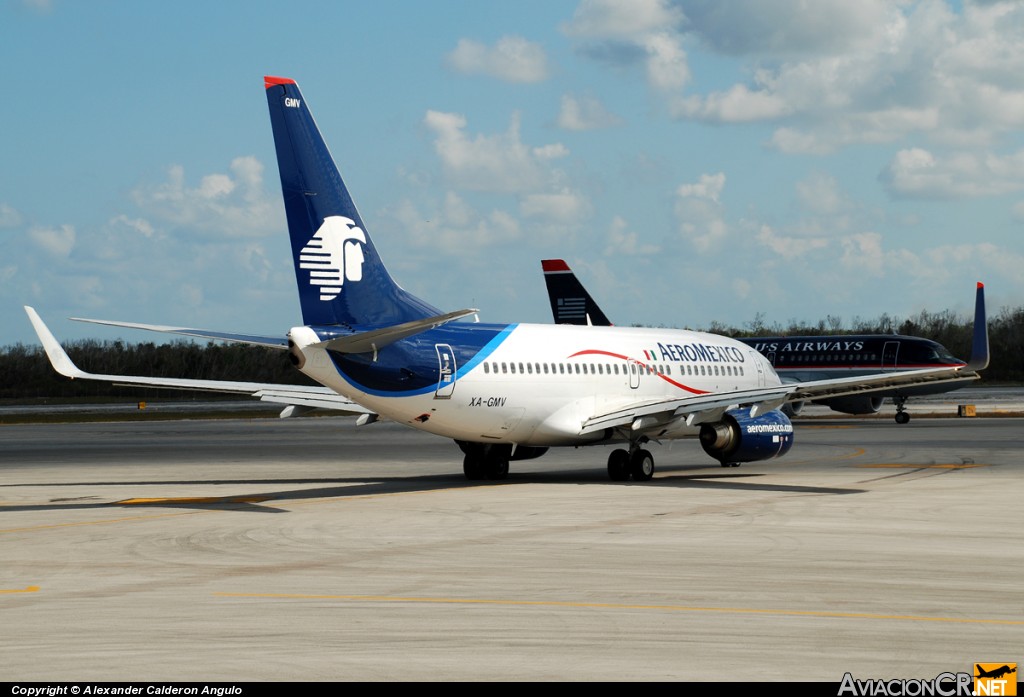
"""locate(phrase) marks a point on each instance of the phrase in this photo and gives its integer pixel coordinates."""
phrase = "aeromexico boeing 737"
(501, 391)
(806, 358)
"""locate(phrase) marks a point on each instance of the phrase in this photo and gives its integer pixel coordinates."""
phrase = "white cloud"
(9, 217)
(627, 33)
(139, 225)
(819, 193)
(565, 207)
(917, 173)
(625, 242)
(498, 163)
(585, 114)
(742, 27)
(700, 214)
(229, 205)
(786, 246)
(512, 58)
(736, 105)
(550, 152)
(709, 186)
(455, 228)
(617, 19)
(865, 258)
(667, 67)
(843, 73)
(57, 241)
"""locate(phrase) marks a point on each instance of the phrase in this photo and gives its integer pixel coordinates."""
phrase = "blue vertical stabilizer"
(341, 278)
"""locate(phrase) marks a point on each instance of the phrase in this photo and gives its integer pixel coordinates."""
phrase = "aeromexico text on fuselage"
(890, 351)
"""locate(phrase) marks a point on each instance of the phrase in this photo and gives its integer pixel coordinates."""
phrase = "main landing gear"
(635, 462)
(902, 416)
(484, 461)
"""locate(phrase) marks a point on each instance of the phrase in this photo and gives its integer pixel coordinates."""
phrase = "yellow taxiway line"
(618, 606)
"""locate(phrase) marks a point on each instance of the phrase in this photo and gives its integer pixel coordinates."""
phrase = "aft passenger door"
(446, 371)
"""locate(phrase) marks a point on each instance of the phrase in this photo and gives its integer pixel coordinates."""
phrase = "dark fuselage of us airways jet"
(501, 391)
(805, 359)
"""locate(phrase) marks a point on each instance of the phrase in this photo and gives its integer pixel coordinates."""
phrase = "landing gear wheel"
(473, 467)
(902, 417)
(496, 467)
(618, 465)
(641, 465)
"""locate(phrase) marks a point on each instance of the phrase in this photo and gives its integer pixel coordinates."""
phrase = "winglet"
(979, 341)
(60, 360)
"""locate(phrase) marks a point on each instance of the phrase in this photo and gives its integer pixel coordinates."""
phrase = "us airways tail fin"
(570, 301)
(340, 276)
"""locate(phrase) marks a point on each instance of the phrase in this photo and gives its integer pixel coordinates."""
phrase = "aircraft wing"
(309, 396)
(697, 409)
(268, 341)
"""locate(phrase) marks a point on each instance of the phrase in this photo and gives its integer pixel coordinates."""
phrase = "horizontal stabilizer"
(376, 339)
(301, 395)
(268, 341)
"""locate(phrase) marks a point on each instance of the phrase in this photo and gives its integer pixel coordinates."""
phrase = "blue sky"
(693, 161)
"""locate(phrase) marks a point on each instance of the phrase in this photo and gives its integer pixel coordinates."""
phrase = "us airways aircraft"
(807, 358)
(502, 392)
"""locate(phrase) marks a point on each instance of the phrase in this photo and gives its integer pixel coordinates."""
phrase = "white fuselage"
(542, 382)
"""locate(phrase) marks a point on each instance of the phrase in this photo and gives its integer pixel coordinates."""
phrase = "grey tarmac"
(312, 549)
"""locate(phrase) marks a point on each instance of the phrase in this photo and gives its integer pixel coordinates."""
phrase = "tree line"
(26, 374)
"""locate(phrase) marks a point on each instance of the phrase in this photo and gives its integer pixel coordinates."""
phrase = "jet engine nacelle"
(855, 404)
(738, 437)
(792, 409)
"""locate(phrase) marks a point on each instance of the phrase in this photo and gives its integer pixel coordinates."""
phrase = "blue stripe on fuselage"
(410, 367)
